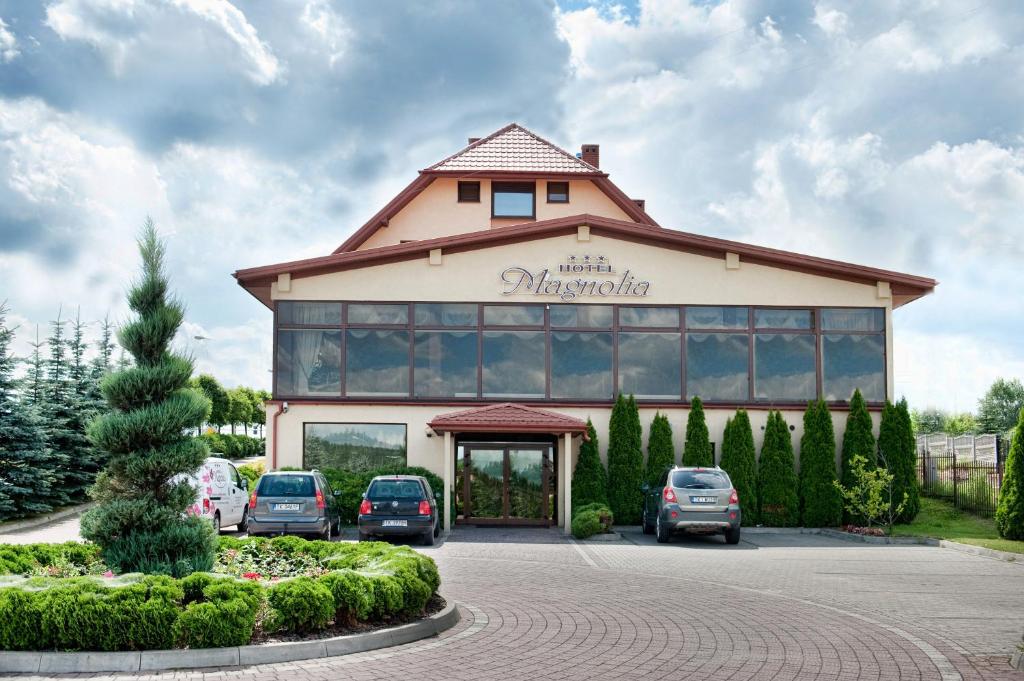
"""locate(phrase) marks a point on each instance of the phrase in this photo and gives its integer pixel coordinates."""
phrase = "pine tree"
(897, 451)
(141, 522)
(589, 479)
(858, 440)
(661, 453)
(776, 479)
(1010, 511)
(26, 465)
(697, 446)
(821, 505)
(625, 462)
(739, 460)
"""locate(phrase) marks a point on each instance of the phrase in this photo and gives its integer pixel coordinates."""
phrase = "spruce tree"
(141, 522)
(739, 460)
(1010, 511)
(697, 446)
(776, 476)
(64, 436)
(589, 479)
(858, 440)
(87, 461)
(661, 454)
(625, 462)
(27, 469)
(821, 504)
(35, 379)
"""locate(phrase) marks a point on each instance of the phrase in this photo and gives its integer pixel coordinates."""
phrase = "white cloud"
(8, 44)
(329, 28)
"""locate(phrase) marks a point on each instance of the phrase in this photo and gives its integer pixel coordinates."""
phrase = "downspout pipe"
(282, 407)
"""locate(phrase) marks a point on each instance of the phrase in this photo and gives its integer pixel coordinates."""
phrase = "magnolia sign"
(579, 275)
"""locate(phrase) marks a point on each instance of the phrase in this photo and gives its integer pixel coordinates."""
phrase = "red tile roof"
(514, 148)
(507, 417)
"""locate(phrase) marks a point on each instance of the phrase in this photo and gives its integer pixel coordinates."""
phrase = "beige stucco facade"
(436, 212)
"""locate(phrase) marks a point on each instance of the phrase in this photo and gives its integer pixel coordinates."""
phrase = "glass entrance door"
(505, 484)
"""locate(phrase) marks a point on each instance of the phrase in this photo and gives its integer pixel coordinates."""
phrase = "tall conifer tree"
(858, 440)
(821, 505)
(1010, 511)
(625, 462)
(897, 451)
(697, 446)
(776, 476)
(739, 460)
(589, 479)
(26, 465)
(141, 522)
(661, 453)
(58, 411)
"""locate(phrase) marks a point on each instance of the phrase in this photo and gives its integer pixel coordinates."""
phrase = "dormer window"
(558, 192)
(469, 192)
(513, 199)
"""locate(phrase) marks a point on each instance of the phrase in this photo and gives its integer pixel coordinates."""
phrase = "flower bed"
(259, 588)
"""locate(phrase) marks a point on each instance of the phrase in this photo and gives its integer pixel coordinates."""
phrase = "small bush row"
(135, 612)
(234, 446)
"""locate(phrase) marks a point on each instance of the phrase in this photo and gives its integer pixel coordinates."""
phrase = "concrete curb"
(982, 551)
(866, 539)
(604, 537)
(153, 660)
(45, 519)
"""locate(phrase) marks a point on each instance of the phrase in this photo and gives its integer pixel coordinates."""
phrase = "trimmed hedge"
(20, 559)
(136, 612)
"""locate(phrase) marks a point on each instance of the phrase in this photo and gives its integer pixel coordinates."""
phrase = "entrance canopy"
(507, 417)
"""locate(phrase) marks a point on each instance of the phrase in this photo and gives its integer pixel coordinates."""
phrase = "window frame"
(316, 422)
(508, 188)
(566, 192)
(467, 184)
(816, 331)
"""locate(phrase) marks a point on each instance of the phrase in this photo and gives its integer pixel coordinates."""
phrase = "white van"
(223, 494)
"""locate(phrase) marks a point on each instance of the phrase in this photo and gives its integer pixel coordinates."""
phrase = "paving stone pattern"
(538, 606)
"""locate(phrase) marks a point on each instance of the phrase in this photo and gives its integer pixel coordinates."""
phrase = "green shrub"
(1010, 511)
(193, 586)
(227, 616)
(289, 544)
(589, 478)
(697, 446)
(821, 503)
(353, 595)
(739, 460)
(19, 559)
(776, 476)
(19, 620)
(301, 605)
(586, 524)
(661, 453)
(625, 461)
(176, 549)
(252, 473)
(387, 595)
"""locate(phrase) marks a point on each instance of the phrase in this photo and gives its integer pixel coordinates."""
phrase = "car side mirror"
(245, 483)
(645, 487)
(336, 492)
(437, 495)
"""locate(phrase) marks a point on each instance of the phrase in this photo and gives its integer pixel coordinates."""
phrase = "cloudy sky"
(887, 133)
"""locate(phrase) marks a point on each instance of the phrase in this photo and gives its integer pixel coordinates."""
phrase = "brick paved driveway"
(536, 606)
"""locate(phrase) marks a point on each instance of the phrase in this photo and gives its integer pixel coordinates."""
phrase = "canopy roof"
(507, 417)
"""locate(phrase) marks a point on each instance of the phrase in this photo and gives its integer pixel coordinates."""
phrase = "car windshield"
(699, 480)
(286, 486)
(395, 489)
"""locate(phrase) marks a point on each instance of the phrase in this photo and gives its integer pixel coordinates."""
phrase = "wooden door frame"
(548, 452)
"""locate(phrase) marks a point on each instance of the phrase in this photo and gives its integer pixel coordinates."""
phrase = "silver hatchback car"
(697, 500)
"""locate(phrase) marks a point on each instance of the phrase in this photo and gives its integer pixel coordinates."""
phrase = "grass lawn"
(941, 520)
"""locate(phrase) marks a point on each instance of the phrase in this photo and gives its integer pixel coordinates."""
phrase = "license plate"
(286, 507)
(703, 500)
(394, 523)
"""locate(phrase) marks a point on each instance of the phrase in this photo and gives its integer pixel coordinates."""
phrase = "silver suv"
(698, 500)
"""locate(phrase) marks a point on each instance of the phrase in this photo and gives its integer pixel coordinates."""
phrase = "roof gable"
(514, 149)
(509, 417)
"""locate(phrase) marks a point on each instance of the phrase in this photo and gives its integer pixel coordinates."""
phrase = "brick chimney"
(640, 203)
(591, 153)
(473, 140)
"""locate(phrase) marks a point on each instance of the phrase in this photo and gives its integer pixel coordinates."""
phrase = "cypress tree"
(897, 451)
(739, 460)
(858, 440)
(27, 469)
(625, 462)
(821, 505)
(697, 447)
(1010, 511)
(140, 522)
(589, 479)
(776, 479)
(661, 454)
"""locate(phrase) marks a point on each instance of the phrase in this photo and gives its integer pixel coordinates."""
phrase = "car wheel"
(437, 529)
(326, 534)
(644, 524)
(661, 531)
(427, 538)
(216, 523)
(243, 524)
(732, 535)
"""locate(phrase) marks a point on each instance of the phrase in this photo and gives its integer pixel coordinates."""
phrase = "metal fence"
(966, 469)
